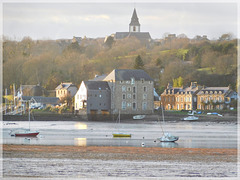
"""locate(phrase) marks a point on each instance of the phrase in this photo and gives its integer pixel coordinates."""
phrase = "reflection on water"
(80, 125)
(80, 141)
(191, 135)
(168, 144)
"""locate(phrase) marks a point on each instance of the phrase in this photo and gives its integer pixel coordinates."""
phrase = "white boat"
(25, 132)
(120, 134)
(167, 137)
(190, 118)
(139, 117)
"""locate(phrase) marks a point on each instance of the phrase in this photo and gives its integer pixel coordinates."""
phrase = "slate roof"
(134, 19)
(64, 86)
(223, 90)
(99, 77)
(138, 35)
(127, 75)
(97, 85)
(45, 100)
(171, 91)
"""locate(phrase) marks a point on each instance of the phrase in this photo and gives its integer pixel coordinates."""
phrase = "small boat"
(25, 132)
(139, 117)
(167, 137)
(190, 118)
(120, 134)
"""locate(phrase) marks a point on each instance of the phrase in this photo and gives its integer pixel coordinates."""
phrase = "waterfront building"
(132, 91)
(215, 98)
(65, 89)
(94, 97)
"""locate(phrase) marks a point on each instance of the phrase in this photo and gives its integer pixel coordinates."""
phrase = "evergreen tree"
(138, 63)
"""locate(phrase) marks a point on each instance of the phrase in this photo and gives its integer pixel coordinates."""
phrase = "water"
(191, 134)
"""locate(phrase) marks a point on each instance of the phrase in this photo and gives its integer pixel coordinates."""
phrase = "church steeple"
(134, 25)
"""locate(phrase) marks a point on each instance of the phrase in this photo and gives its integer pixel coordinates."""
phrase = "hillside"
(50, 62)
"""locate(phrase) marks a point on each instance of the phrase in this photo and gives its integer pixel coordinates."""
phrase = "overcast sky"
(65, 20)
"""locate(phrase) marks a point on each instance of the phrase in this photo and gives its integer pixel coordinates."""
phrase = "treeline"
(50, 62)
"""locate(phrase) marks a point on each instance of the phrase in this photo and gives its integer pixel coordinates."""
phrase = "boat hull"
(30, 134)
(121, 135)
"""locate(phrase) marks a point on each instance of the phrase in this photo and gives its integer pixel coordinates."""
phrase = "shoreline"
(170, 117)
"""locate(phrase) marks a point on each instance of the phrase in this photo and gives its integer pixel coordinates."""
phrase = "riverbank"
(169, 116)
(108, 162)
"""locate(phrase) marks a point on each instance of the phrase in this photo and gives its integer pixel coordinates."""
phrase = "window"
(121, 82)
(123, 105)
(134, 89)
(134, 105)
(132, 81)
(177, 99)
(144, 96)
(134, 28)
(134, 96)
(144, 89)
(144, 106)
(100, 95)
(129, 88)
(123, 88)
(129, 104)
(124, 96)
(129, 96)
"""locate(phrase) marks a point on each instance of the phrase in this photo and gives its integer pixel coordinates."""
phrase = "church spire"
(134, 25)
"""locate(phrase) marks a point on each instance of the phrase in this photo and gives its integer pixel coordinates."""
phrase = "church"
(134, 30)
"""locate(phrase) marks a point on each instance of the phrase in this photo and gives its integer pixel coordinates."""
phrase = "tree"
(138, 63)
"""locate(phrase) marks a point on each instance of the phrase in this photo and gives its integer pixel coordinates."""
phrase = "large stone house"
(186, 98)
(215, 98)
(132, 91)
(94, 96)
(180, 98)
(65, 89)
(168, 99)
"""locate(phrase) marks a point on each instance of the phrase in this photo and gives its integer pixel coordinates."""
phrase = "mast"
(29, 114)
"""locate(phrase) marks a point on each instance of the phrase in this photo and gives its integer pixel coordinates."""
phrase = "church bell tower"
(134, 25)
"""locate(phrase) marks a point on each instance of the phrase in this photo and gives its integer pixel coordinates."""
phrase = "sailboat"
(25, 132)
(119, 134)
(167, 137)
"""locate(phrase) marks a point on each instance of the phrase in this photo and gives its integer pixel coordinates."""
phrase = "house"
(134, 30)
(94, 96)
(215, 98)
(168, 99)
(132, 91)
(65, 89)
(30, 90)
(186, 98)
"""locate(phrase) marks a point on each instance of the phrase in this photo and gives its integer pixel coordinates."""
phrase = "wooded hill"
(50, 62)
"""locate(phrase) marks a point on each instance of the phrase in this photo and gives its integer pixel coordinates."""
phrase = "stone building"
(94, 96)
(132, 91)
(186, 98)
(215, 98)
(65, 89)
(168, 99)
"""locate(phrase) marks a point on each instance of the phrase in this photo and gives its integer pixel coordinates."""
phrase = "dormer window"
(142, 80)
(132, 81)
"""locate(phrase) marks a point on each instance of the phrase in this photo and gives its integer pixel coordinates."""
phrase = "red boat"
(26, 133)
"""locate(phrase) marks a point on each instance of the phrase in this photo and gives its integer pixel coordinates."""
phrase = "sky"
(63, 20)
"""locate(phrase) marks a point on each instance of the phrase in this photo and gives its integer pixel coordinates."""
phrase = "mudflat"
(126, 153)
